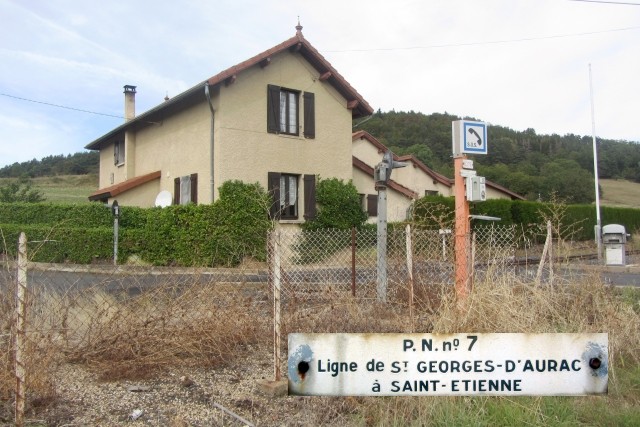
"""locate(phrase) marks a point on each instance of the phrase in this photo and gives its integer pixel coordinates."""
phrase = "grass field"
(618, 192)
(65, 188)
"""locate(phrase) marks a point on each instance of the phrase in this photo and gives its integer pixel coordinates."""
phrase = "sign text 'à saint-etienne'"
(455, 364)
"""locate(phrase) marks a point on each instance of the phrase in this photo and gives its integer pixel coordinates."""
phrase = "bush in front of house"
(339, 210)
(339, 206)
(220, 234)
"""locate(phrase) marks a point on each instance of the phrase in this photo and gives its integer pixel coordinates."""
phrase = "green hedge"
(526, 213)
(220, 234)
(91, 215)
(60, 243)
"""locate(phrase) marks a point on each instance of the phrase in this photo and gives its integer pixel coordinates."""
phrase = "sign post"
(467, 137)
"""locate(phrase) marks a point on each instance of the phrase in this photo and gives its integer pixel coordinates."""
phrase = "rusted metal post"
(353, 261)
(462, 232)
(410, 273)
(20, 369)
(550, 236)
(277, 324)
(472, 264)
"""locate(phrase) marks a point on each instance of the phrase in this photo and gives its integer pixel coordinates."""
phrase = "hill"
(523, 161)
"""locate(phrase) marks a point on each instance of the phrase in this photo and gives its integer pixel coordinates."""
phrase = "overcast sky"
(516, 63)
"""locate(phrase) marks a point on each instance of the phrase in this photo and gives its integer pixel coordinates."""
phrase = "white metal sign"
(469, 137)
(455, 364)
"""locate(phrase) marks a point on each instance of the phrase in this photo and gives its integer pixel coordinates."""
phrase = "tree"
(20, 191)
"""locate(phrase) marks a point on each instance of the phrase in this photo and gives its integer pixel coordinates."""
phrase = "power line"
(609, 2)
(60, 106)
(525, 39)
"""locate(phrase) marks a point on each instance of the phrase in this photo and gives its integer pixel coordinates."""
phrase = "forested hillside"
(530, 164)
(82, 163)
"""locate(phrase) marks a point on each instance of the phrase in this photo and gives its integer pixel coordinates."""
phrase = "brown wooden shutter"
(309, 196)
(273, 186)
(194, 188)
(273, 108)
(372, 204)
(176, 191)
(309, 115)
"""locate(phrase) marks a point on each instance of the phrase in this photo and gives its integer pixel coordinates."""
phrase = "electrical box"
(476, 189)
(614, 237)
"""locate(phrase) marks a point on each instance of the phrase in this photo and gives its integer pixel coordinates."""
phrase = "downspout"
(208, 95)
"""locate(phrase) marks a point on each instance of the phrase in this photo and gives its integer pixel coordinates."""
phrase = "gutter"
(211, 181)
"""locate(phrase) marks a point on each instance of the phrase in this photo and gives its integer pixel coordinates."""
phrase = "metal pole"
(410, 272)
(382, 244)
(462, 232)
(116, 230)
(20, 369)
(353, 261)
(595, 170)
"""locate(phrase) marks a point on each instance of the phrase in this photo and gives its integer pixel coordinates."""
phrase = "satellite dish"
(163, 199)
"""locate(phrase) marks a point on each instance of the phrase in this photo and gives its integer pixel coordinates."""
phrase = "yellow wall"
(246, 150)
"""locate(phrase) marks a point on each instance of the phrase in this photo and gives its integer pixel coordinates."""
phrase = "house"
(281, 118)
(407, 184)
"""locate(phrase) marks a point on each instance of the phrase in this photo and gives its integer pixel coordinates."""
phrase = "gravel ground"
(182, 397)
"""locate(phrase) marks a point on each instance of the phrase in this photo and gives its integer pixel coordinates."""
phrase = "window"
(284, 190)
(185, 189)
(118, 153)
(283, 111)
(431, 192)
(372, 204)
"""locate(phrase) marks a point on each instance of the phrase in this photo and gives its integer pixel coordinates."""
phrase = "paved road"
(62, 278)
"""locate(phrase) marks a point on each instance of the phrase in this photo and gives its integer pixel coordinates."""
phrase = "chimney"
(129, 102)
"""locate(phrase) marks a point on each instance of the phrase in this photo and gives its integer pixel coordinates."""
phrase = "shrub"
(338, 206)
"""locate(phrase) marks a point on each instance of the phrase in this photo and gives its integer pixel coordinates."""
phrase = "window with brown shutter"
(309, 115)
(309, 197)
(282, 110)
(185, 189)
(283, 189)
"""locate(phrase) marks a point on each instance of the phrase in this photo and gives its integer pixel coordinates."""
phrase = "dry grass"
(132, 333)
(619, 192)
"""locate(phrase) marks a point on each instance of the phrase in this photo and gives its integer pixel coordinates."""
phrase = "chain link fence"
(329, 280)
(127, 321)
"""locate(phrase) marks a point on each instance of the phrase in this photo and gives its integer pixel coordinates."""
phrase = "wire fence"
(128, 320)
(329, 280)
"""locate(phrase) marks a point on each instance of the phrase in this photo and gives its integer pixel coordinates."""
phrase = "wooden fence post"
(20, 317)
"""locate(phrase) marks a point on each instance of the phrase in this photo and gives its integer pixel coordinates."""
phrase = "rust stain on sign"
(448, 364)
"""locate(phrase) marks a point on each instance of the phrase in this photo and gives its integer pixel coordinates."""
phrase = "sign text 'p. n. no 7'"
(439, 364)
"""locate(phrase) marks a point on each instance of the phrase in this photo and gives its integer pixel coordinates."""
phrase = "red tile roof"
(358, 105)
(359, 164)
(116, 189)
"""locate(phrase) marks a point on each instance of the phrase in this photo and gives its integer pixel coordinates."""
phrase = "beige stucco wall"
(492, 193)
(364, 150)
(397, 203)
(177, 146)
(246, 151)
(143, 195)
